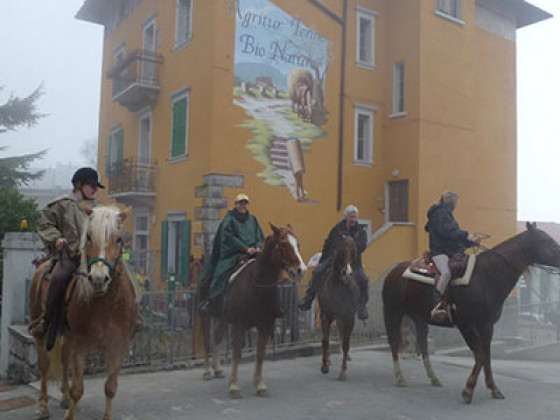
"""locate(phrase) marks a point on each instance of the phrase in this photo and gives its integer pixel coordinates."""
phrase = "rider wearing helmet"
(60, 227)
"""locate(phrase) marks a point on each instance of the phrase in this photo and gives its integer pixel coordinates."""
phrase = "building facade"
(308, 106)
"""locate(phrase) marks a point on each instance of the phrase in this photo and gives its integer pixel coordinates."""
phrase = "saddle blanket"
(460, 281)
(240, 269)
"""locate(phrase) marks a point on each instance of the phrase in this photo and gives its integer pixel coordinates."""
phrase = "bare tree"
(88, 150)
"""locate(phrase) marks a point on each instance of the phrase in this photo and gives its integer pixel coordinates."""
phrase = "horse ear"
(274, 228)
(534, 225)
(123, 214)
(290, 228)
(529, 226)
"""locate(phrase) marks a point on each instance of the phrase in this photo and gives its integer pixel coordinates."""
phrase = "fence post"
(20, 248)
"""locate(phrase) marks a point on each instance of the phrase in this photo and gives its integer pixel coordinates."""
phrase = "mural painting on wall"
(279, 79)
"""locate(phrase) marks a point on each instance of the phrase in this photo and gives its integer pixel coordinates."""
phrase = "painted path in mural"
(270, 110)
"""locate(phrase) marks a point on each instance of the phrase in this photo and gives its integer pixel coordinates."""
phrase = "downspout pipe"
(342, 21)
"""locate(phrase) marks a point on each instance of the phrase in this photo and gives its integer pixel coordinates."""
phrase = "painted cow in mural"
(300, 88)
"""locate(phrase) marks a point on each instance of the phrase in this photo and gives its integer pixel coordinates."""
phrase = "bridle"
(112, 267)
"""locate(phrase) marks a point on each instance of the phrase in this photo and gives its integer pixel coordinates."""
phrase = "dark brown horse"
(251, 301)
(338, 300)
(478, 305)
(101, 313)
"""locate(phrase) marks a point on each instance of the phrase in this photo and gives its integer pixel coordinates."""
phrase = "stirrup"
(38, 327)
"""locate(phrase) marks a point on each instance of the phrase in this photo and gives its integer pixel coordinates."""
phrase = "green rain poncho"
(235, 234)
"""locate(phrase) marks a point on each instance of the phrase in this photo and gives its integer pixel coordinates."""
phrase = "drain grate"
(17, 402)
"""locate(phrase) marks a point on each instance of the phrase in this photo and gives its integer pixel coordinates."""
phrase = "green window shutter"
(179, 127)
(164, 243)
(185, 252)
(119, 158)
(108, 155)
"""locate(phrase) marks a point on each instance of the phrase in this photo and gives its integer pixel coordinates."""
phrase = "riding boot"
(362, 312)
(306, 302)
(439, 313)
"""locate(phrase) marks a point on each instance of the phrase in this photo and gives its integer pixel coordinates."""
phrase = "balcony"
(132, 182)
(135, 81)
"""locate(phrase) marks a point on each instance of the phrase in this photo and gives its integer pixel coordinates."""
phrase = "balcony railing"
(135, 79)
(132, 177)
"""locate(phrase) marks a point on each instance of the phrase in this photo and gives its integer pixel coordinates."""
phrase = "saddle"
(425, 266)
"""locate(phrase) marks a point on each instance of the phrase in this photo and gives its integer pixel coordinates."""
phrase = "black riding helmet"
(87, 176)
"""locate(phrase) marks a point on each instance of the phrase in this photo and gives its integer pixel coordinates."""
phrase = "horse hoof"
(235, 393)
(324, 369)
(401, 383)
(348, 358)
(436, 382)
(219, 374)
(342, 376)
(467, 396)
(497, 394)
(206, 376)
(41, 414)
(263, 392)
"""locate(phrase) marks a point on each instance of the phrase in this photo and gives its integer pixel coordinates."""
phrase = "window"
(450, 8)
(183, 24)
(363, 134)
(141, 239)
(398, 89)
(114, 155)
(175, 247)
(179, 132)
(365, 37)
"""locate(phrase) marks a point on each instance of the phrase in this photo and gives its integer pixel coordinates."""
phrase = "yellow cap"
(241, 197)
(23, 225)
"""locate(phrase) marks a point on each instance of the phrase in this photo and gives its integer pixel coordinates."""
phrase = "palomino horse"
(251, 300)
(338, 300)
(100, 313)
(478, 305)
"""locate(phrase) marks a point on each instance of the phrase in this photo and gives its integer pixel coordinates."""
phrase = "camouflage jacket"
(63, 218)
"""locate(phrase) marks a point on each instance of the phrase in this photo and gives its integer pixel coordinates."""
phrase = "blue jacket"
(445, 235)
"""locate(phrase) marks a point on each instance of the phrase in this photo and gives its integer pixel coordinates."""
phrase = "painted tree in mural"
(319, 60)
(14, 113)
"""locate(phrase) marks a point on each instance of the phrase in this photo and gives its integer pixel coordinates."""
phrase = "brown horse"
(338, 300)
(251, 300)
(100, 313)
(478, 305)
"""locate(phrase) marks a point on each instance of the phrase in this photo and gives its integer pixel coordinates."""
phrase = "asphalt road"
(299, 391)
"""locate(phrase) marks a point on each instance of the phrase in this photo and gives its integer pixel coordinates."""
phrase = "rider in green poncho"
(239, 233)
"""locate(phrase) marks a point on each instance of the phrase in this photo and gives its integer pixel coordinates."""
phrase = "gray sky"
(42, 42)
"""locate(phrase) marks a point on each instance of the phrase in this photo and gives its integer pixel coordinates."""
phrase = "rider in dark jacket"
(446, 240)
(349, 226)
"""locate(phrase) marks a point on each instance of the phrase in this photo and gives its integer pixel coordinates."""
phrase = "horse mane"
(103, 222)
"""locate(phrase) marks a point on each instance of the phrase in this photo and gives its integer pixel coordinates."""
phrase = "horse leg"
(113, 362)
(393, 318)
(345, 330)
(43, 362)
(472, 337)
(422, 344)
(326, 327)
(205, 322)
(64, 386)
(262, 390)
(219, 332)
(487, 332)
(77, 389)
(237, 341)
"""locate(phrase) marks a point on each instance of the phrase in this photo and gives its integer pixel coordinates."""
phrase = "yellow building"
(307, 106)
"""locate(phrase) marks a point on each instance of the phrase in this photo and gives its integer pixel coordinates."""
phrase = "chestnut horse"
(100, 313)
(338, 300)
(478, 305)
(251, 300)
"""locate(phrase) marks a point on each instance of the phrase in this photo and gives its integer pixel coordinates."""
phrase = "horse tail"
(393, 310)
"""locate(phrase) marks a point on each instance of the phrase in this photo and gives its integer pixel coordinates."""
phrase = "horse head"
(101, 249)
(345, 253)
(541, 248)
(285, 251)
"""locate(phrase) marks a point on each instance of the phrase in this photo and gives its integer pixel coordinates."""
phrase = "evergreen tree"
(14, 113)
